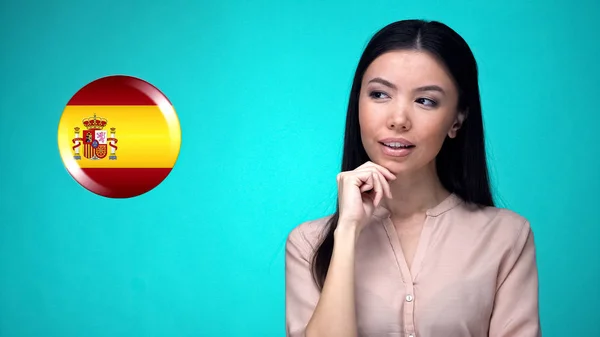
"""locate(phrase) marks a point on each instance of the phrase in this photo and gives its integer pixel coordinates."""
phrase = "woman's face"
(408, 95)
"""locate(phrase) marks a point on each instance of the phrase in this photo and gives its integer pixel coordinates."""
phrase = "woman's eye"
(376, 94)
(426, 101)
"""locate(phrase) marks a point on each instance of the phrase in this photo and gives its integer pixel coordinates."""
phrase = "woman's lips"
(399, 152)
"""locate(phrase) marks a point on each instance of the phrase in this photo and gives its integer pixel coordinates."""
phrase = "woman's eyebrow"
(384, 82)
(430, 88)
(419, 89)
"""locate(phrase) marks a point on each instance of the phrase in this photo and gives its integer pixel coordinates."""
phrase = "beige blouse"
(474, 274)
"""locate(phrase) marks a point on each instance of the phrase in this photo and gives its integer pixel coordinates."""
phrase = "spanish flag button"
(119, 137)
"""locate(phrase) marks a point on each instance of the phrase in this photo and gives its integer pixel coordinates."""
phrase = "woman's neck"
(415, 193)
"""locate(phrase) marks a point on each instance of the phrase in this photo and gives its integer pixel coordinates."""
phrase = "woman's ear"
(458, 122)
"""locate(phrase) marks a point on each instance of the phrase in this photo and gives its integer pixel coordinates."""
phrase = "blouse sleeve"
(301, 293)
(515, 312)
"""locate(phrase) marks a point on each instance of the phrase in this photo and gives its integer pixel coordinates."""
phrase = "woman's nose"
(399, 119)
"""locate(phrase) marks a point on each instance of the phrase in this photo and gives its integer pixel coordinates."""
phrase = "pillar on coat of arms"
(77, 142)
(112, 141)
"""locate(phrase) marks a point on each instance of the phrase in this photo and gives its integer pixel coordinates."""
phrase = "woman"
(416, 246)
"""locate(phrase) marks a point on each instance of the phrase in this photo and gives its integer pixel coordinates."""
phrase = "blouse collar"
(447, 204)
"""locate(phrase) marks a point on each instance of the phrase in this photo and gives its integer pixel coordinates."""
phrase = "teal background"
(261, 89)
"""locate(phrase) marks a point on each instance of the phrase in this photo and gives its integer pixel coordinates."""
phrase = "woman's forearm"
(335, 313)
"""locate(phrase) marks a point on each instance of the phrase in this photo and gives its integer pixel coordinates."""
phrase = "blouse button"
(409, 298)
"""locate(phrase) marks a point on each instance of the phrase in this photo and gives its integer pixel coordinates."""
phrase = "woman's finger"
(386, 186)
(365, 180)
(366, 187)
(378, 189)
(386, 173)
(384, 182)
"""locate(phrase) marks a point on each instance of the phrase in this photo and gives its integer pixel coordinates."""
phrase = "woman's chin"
(395, 167)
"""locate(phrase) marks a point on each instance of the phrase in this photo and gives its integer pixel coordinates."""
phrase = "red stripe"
(118, 90)
(120, 182)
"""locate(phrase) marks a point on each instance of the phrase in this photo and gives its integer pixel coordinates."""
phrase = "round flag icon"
(119, 136)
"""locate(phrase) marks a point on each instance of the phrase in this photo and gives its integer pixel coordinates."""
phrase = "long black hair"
(461, 163)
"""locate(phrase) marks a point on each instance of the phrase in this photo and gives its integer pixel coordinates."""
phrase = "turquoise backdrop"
(261, 89)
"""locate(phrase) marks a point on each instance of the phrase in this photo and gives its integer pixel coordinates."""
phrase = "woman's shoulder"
(309, 233)
(497, 218)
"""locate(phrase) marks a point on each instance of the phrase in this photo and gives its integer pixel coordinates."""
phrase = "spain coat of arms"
(95, 140)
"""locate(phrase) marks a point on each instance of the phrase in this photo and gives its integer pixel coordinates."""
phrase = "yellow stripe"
(147, 136)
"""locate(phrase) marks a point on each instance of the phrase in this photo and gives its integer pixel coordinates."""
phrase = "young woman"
(416, 246)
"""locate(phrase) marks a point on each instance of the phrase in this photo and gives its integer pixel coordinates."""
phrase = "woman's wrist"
(347, 231)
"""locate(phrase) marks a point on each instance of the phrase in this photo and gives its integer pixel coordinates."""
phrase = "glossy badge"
(119, 137)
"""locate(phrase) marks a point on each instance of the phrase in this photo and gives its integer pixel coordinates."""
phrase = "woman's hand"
(360, 191)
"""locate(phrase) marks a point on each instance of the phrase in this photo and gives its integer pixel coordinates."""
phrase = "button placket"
(405, 272)
(409, 311)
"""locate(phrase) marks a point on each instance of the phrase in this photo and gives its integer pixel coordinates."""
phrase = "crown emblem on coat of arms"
(94, 123)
